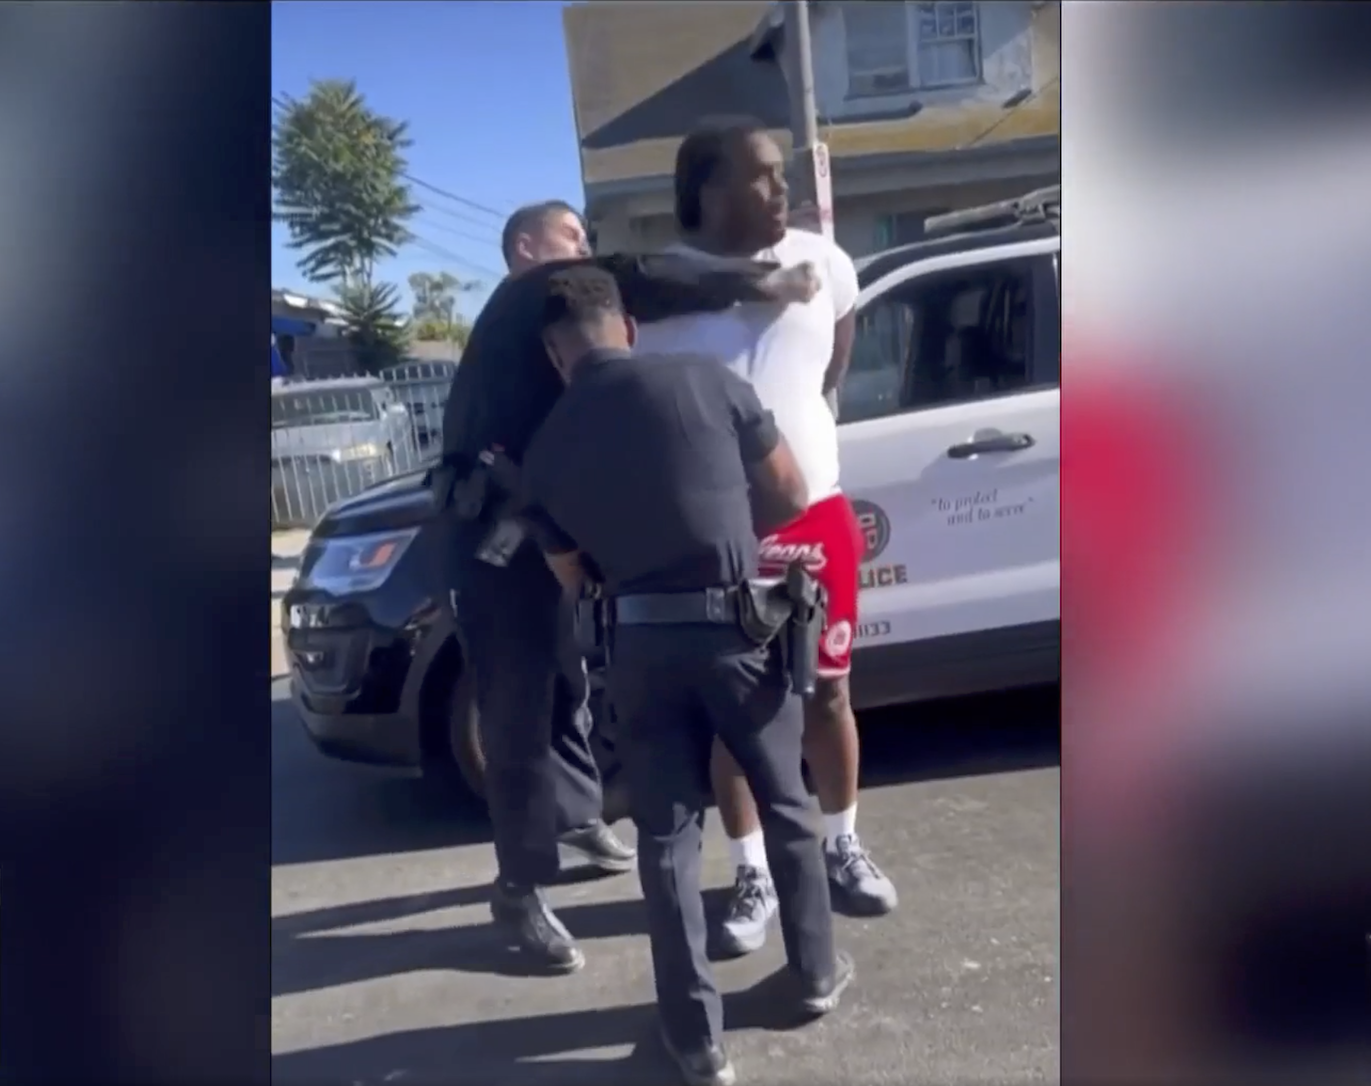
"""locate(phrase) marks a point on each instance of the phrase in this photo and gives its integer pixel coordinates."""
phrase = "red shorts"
(827, 538)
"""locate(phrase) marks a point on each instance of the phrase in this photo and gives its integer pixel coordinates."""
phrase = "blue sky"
(485, 89)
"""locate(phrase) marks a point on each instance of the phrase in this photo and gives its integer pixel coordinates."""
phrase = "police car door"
(949, 434)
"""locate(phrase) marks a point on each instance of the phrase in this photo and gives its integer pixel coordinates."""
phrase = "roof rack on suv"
(1042, 205)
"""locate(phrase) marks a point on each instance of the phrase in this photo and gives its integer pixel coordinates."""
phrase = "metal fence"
(331, 439)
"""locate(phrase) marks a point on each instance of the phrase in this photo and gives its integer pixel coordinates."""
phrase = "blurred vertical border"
(134, 753)
(1216, 577)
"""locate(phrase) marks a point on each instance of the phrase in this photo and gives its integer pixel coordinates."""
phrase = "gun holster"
(592, 627)
(764, 608)
(804, 628)
(490, 490)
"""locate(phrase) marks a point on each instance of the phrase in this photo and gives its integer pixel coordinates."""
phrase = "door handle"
(1000, 443)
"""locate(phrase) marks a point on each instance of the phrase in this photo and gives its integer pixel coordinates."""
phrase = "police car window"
(943, 339)
(324, 408)
(872, 388)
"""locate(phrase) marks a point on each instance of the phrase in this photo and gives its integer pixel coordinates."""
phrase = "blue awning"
(291, 326)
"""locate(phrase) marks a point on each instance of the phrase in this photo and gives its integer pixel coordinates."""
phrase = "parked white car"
(949, 425)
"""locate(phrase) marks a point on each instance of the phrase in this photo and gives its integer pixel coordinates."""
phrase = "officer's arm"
(778, 489)
(562, 554)
(657, 286)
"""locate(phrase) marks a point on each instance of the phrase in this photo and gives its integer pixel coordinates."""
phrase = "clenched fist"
(797, 284)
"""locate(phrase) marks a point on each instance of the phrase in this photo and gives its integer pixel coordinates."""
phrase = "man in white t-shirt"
(731, 201)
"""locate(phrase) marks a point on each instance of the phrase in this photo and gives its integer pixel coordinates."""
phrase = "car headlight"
(368, 450)
(355, 563)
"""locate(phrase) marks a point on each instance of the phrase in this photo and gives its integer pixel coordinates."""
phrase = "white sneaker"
(750, 909)
(855, 875)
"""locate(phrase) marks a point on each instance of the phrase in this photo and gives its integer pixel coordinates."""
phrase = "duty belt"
(710, 605)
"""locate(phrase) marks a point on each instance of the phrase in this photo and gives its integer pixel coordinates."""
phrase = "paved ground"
(383, 971)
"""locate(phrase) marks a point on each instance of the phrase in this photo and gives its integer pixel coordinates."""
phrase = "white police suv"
(950, 449)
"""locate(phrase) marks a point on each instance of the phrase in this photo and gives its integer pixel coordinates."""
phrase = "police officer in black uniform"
(654, 477)
(541, 781)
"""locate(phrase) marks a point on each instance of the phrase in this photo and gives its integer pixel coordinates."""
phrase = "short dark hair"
(581, 295)
(526, 218)
(698, 160)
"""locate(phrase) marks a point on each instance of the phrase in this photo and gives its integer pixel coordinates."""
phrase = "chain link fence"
(332, 438)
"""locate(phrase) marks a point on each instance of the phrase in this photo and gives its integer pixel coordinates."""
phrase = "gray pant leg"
(665, 746)
(762, 725)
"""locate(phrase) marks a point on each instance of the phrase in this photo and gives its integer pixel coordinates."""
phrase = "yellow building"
(925, 107)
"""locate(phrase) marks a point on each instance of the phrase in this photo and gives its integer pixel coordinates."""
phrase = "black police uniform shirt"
(640, 466)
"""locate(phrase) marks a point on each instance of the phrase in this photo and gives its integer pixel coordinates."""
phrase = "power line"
(447, 254)
(453, 196)
(491, 242)
(464, 217)
(1056, 79)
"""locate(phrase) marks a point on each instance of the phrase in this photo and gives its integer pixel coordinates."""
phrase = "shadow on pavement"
(304, 957)
(964, 737)
(513, 1052)
(326, 810)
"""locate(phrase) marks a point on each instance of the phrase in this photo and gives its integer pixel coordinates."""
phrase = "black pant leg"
(664, 742)
(576, 774)
(762, 724)
(508, 624)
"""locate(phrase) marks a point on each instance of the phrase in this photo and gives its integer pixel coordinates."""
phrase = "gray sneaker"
(857, 878)
(750, 908)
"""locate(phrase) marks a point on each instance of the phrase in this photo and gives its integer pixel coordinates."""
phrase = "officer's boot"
(597, 845)
(533, 929)
(708, 1065)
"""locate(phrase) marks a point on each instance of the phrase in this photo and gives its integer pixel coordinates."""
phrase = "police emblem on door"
(875, 527)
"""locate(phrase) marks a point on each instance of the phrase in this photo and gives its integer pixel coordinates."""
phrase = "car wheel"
(464, 735)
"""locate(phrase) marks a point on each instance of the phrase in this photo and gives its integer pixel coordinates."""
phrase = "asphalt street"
(385, 971)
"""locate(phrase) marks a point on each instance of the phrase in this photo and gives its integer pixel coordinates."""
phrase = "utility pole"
(812, 186)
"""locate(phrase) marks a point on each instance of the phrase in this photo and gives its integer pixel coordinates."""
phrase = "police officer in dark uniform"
(542, 786)
(654, 476)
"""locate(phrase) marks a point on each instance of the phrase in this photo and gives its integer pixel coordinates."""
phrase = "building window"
(946, 36)
(877, 49)
(949, 43)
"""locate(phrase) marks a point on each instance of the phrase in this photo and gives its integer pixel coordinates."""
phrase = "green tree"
(338, 181)
(435, 314)
(370, 310)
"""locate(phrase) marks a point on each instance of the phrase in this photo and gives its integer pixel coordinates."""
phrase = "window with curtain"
(877, 37)
(949, 49)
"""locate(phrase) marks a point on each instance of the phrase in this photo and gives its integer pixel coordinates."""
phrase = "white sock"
(842, 824)
(749, 851)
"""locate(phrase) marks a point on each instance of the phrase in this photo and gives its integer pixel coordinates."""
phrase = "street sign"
(823, 188)
(817, 216)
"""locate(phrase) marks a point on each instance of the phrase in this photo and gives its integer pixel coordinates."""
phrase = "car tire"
(464, 735)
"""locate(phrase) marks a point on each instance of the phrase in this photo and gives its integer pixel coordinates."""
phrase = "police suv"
(949, 434)
(949, 427)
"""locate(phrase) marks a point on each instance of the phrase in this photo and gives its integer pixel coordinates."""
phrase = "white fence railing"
(332, 439)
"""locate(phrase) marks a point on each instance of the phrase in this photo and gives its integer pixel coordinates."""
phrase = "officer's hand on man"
(797, 284)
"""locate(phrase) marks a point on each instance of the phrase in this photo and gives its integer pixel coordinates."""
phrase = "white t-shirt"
(783, 350)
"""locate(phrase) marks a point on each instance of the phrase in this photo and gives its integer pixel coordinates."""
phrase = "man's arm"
(662, 285)
(779, 493)
(842, 275)
(559, 549)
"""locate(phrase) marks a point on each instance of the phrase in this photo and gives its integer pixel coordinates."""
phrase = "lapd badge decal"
(875, 527)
